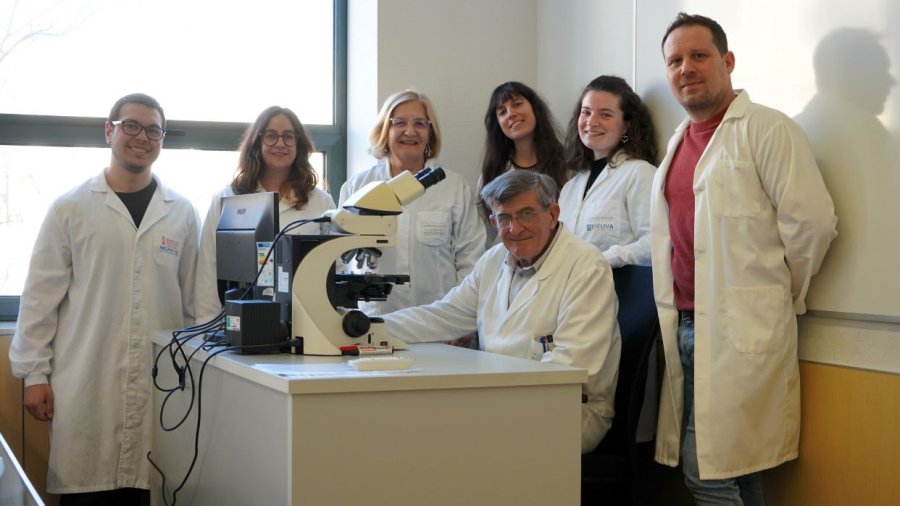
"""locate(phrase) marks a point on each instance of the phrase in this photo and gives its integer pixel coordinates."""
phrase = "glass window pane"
(204, 60)
(31, 178)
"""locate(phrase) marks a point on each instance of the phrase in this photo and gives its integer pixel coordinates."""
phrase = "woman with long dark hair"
(521, 134)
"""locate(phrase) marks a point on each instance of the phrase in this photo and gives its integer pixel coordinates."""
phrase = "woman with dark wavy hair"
(274, 157)
(521, 134)
(611, 146)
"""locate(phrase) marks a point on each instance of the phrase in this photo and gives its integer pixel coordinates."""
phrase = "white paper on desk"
(299, 371)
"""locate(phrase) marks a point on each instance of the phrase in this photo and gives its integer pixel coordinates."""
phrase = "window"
(64, 63)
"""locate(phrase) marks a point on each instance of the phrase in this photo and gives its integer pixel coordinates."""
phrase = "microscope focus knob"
(355, 323)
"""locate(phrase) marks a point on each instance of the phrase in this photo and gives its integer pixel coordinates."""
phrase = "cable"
(184, 372)
(284, 230)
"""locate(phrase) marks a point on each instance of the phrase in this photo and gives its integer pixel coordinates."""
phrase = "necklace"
(528, 167)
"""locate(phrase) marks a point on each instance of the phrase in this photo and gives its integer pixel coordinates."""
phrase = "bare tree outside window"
(64, 62)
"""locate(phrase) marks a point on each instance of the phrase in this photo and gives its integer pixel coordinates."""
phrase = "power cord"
(199, 397)
(185, 375)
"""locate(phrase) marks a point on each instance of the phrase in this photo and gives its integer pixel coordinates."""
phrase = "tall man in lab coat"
(114, 260)
(542, 288)
(740, 221)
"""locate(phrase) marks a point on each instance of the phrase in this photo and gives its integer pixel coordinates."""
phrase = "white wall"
(580, 39)
(456, 52)
(362, 77)
(559, 45)
(849, 116)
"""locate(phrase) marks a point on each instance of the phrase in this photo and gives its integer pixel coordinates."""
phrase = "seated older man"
(541, 289)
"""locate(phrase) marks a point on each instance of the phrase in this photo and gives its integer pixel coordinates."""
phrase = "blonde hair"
(378, 138)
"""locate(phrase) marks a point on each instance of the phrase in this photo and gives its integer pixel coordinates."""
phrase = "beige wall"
(28, 439)
(849, 444)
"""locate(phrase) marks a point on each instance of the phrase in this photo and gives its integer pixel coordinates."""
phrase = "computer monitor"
(247, 227)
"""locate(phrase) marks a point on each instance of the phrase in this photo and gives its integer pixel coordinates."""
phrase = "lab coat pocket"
(738, 191)
(433, 228)
(542, 348)
(755, 317)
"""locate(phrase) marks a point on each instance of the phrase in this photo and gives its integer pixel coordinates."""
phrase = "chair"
(613, 473)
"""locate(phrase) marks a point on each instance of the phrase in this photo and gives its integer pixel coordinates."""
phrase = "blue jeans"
(742, 490)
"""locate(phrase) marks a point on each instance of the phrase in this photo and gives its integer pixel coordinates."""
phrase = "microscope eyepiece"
(429, 177)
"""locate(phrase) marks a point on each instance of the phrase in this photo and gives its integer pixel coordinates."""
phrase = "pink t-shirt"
(679, 193)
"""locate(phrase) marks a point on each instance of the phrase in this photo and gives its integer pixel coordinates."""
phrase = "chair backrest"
(639, 326)
(615, 472)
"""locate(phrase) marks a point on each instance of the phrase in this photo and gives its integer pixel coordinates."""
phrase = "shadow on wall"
(667, 113)
(859, 161)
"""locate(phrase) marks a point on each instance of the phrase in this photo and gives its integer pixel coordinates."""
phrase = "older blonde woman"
(439, 236)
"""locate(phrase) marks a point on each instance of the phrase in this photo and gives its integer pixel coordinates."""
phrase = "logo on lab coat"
(600, 226)
(169, 246)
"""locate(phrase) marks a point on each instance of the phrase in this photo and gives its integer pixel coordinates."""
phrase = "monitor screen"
(247, 226)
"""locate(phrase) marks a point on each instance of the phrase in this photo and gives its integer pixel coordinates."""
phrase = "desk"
(463, 427)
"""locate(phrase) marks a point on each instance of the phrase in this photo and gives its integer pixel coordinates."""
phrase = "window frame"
(74, 131)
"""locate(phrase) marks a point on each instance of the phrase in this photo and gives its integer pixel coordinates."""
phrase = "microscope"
(323, 304)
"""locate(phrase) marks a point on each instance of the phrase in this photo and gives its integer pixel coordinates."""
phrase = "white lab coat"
(614, 216)
(96, 288)
(762, 224)
(208, 304)
(570, 297)
(439, 239)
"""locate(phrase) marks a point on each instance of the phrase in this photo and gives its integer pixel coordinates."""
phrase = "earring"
(624, 139)
(428, 151)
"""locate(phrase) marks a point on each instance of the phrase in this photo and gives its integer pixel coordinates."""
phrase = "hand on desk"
(39, 402)
(469, 341)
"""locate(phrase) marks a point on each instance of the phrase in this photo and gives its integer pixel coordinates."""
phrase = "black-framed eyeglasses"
(270, 138)
(133, 128)
(418, 123)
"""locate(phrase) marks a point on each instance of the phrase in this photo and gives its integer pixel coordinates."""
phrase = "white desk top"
(435, 366)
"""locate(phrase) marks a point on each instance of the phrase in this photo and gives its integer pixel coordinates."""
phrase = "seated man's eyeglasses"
(523, 217)
(418, 123)
(270, 138)
(133, 128)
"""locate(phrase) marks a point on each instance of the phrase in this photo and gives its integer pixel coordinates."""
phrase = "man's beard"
(130, 167)
(135, 169)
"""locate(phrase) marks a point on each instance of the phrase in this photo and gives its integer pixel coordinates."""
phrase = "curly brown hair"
(641, 144)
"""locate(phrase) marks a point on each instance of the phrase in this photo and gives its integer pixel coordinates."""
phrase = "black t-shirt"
(137, 202)
(597, 167)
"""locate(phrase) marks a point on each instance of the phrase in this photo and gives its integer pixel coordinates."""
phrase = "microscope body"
(323, 303)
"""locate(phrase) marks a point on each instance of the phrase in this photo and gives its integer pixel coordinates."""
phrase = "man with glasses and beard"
(114, 261)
